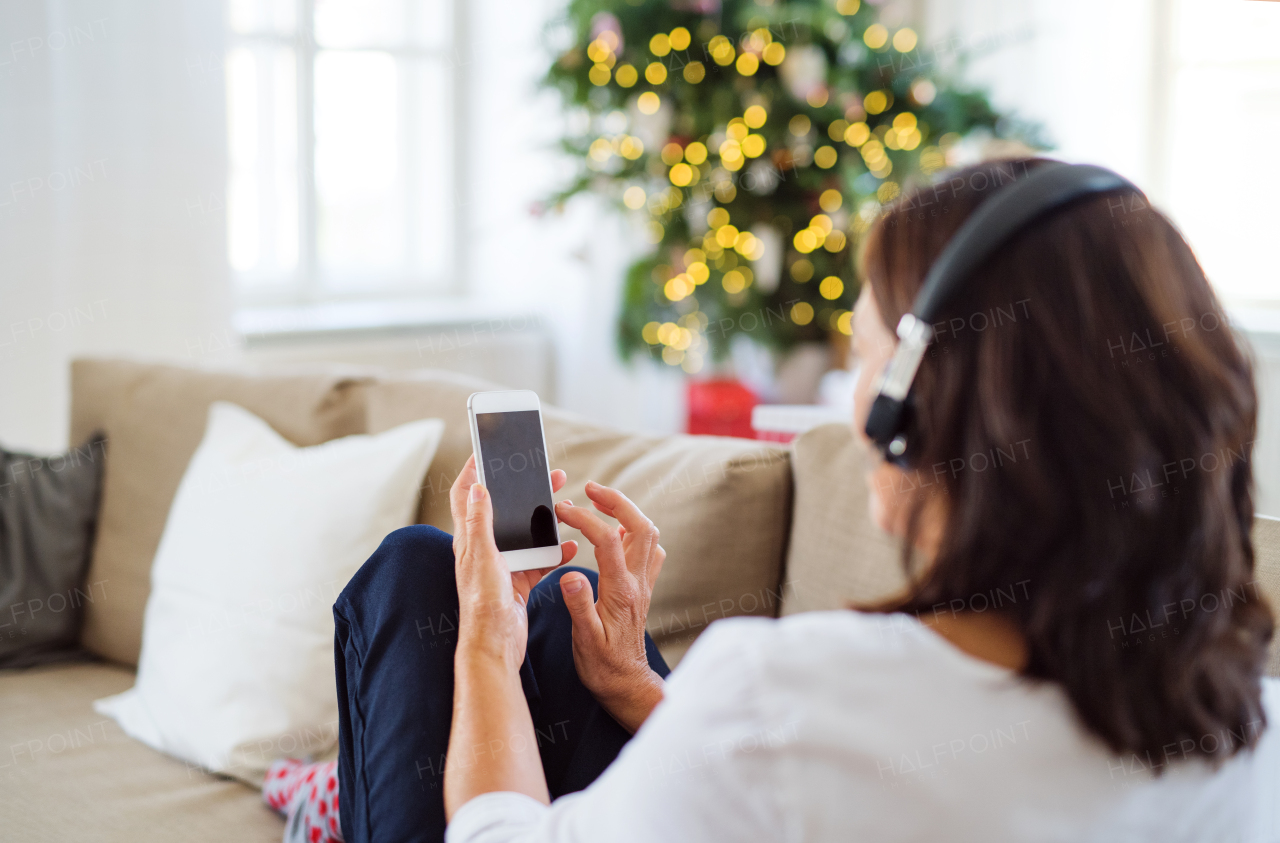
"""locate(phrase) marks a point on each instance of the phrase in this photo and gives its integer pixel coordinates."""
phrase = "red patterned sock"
(307, 794)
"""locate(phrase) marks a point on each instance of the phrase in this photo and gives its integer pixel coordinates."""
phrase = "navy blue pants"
(396, 630)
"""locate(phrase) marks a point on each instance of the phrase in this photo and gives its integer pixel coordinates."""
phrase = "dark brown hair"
(1087, 416)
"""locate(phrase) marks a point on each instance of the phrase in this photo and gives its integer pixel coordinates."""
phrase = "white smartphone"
(511, 462)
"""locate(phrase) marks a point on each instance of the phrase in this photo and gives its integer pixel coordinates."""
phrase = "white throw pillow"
(237, 642)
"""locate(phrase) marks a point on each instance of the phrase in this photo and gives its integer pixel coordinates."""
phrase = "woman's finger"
(458, 492)
(606, 541)
(617, 505)
(486, 569)
(581, 605)
(614, 503)
(558, 479)
(568, 550)
(655, 564)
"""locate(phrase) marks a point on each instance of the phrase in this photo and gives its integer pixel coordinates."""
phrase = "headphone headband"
(1047, 188)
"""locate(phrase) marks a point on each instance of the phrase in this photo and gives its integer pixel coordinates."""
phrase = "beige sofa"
(750, 528)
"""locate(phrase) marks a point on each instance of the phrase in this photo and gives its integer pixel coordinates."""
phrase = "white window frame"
(307, 288)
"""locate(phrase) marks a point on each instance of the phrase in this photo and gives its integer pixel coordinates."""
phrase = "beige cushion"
(1266, 549)
(68, 773)
(836, 555)
(721, 504)
(154, 417)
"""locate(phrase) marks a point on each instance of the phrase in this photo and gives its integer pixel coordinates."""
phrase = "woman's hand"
(491, 599)
(492, 744)
(608, 634)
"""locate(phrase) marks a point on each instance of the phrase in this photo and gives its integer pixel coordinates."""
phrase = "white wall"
(111, 238)
(1085, 72)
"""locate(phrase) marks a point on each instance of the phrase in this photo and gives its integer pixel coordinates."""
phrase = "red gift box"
(721, 407)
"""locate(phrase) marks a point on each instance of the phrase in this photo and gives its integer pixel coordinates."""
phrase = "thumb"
(576, 589)
(479, 516)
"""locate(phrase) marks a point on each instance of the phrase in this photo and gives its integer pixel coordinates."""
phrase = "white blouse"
(848, 726)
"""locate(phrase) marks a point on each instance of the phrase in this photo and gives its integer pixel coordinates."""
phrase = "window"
(1222, 173)
(340, 119)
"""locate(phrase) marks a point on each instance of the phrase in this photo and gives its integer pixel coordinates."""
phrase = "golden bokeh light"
(748, 64)
(726, 236)
(693, 256)
(755, 116)
(630, 147)
(887, 191)
(655, 73)
(695, 153)
(599, 74)
(672, 154)
(825, 157)
(857, 134)
(844, 322)
(737, 129)
(817, 97)
(904, 40)
(831, 287)
(848, 7)
(722, 51)
(805, 241)
(660, 45)
(597, 51)
(678, 287)
(650, 333)
(774, 53)
(753, 146)
(731, 154)
(904, 121)
(932, 160)
(694, 72)
(830, 201)
(717, 217)
(634, 198)
(649, 103)
(822, 222)
(835, 241)
(667, 332)
(733, 282)
(875, 102)
(799, 125)
(699, 272)
(627, 76)
(801, 271)
(672, 356)
(600, 150)
(876, 36)
(679, 38)
(835, 130)
(681, 175)
(802, 313)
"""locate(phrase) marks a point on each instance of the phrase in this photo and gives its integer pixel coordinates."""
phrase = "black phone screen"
(515, 473)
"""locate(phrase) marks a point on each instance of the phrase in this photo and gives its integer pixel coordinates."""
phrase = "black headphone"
(1047, 188)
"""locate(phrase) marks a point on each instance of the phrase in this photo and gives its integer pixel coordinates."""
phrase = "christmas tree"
(759, 140)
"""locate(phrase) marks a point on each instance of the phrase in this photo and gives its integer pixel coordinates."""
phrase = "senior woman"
(476, 697)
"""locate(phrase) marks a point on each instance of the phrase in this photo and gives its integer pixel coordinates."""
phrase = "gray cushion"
(48, 511)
